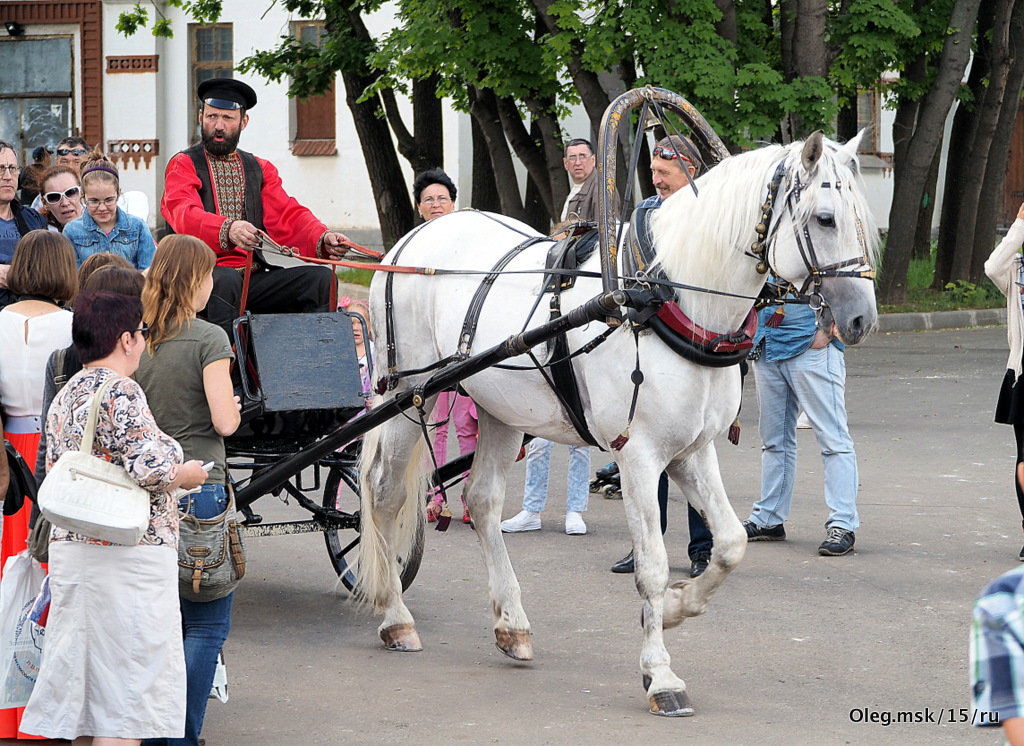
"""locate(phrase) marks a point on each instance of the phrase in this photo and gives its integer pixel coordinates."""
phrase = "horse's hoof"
(675, 704)
(515, 643)
(401, 637)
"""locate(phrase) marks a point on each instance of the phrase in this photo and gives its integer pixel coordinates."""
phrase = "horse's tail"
(377, 557)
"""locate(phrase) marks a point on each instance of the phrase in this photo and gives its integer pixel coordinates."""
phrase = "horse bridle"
(768, 227)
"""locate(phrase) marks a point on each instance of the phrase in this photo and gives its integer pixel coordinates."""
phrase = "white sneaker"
(526, 520)
(802, 423)
(574, 525)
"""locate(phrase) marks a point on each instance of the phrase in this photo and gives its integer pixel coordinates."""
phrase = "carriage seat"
(569, 253)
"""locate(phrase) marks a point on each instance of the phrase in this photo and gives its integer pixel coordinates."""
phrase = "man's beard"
(226, 147)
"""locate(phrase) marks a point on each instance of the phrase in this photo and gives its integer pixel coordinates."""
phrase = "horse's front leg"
(701, 482)
(666, 692)
(485, 494)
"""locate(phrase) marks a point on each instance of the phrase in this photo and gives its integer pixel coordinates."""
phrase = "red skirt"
(13, 541)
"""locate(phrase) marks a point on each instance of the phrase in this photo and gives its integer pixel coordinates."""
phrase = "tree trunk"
(990, 202)
(802, 27)
(427, 123)
(986, 113)
(394, 207)
(483, 105)
(923, 234)
(910, 176)
(485, 191)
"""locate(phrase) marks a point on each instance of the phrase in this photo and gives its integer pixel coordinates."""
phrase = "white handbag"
(91, 496)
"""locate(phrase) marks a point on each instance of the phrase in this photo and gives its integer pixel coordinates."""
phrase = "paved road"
(790, 646)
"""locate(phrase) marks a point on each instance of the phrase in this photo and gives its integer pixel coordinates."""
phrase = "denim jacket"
(129, 238)
(790, 338)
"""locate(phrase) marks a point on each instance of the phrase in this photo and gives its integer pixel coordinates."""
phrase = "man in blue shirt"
(802, 367)
(671, 157)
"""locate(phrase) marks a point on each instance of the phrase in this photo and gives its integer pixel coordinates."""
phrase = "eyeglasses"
(442, 200)
(12, 170)
(143, 330)
(106, 202)
(669, 154)
(69, 193)
(576, 157)
(72, 151)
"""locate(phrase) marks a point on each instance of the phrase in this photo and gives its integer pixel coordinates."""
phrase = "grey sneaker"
(764, 533)
(838, 541)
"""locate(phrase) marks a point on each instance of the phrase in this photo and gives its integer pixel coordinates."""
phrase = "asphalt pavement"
(794, 648)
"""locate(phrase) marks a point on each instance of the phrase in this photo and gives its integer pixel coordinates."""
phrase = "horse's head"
(820, 235)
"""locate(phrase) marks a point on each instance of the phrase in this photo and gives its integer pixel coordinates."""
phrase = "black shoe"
(624, 565)
(699, 564)
(838, 542)
(764, 533)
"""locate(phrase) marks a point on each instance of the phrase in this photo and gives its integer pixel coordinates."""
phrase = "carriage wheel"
(341, 491)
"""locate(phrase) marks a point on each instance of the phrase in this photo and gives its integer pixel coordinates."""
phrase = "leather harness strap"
(476, 305)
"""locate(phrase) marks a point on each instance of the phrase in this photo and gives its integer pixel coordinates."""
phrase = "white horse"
(703, 241)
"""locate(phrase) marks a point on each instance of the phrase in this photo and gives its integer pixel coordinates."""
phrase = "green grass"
(356, 276)
(921, 298)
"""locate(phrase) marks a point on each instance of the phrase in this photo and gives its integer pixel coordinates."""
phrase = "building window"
(35, 93)
(313, 117)
(210, 56)
(867, 117)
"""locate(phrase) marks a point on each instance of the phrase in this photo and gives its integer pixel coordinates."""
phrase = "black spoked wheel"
(341, 492)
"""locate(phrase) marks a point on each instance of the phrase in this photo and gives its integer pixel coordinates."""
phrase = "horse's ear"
(848, 152)
(812, 151)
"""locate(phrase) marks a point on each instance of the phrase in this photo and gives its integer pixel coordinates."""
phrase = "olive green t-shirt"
(172, 378)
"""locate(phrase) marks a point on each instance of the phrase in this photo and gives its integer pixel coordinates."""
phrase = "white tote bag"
(91, 496)
(20, 639)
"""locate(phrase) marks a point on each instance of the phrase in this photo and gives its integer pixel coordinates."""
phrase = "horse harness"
(563, 259)
(767, 230)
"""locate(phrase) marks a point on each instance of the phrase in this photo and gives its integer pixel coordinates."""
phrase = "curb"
(917, 322)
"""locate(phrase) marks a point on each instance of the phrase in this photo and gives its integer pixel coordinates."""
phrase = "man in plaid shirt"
(997, 654)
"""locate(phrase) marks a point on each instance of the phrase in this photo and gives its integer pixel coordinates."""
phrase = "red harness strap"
(742, 339)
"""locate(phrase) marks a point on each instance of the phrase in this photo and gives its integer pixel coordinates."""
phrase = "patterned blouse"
(126, 434)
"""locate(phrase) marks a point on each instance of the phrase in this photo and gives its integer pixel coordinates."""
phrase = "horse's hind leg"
(701, 482)
(393, 482)
(666, 692)
(485, 494)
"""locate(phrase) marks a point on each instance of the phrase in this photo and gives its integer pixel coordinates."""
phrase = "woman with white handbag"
(113, 667)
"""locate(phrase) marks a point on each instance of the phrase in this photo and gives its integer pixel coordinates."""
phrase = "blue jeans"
(205, 627)
(814, 380)
(538, 461)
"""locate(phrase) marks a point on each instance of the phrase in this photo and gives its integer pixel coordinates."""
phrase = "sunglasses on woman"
(69, 193)
(143, 330)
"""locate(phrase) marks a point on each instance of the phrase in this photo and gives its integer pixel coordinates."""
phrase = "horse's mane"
(697, 238)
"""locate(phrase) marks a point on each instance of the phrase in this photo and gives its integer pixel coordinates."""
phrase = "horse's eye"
(826, 221)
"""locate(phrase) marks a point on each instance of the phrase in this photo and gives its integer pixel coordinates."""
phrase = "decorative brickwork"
(133, 63)
(132, 150)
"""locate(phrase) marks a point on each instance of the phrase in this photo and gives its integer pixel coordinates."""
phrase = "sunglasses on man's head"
(669, 154)
(69, 193)
(72, 151)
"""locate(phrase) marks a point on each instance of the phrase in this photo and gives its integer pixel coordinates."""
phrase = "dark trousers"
(1018, 434)
(700, 536)
(305, 289)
